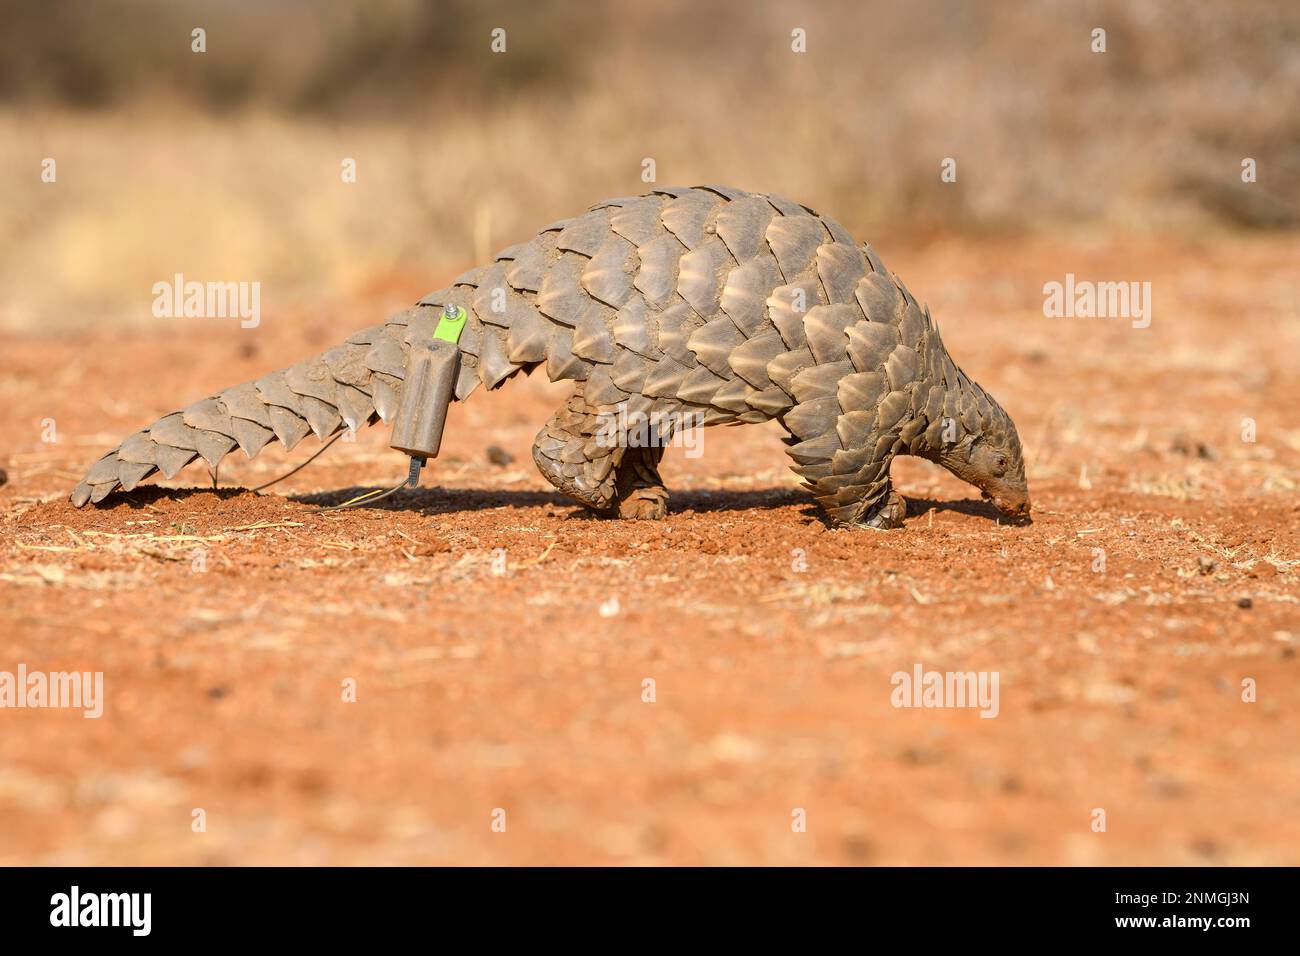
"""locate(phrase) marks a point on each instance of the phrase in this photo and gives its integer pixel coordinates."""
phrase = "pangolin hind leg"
(639, 489)
(580, 455)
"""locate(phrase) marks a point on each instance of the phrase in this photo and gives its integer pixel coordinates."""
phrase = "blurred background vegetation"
(226, 164)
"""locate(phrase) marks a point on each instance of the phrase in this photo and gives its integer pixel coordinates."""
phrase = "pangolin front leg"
(583, 457)
(856, 494)
(887, 513)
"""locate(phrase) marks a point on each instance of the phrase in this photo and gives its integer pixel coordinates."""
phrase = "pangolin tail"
(354, 384)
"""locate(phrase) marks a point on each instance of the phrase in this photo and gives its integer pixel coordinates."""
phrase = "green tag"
(451, 324)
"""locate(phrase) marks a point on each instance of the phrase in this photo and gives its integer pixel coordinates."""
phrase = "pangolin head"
(987, 454)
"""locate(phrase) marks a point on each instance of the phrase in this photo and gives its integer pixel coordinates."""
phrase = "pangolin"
(712, 302)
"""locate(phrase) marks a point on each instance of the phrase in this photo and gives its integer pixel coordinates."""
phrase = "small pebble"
(1186, 446)
(1244, 602)
(4, 477)
(499, 456)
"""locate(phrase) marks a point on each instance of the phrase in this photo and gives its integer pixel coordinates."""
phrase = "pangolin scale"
(705, 301)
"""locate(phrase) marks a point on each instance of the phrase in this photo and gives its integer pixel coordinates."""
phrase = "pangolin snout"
(1011, 505)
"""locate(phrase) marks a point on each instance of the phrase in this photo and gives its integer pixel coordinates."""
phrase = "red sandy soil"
(1120, 689)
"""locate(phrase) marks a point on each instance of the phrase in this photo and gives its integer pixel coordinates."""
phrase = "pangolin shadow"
(975, 507)
(435, 500)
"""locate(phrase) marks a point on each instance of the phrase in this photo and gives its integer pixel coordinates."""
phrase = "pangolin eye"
(1000, 463)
